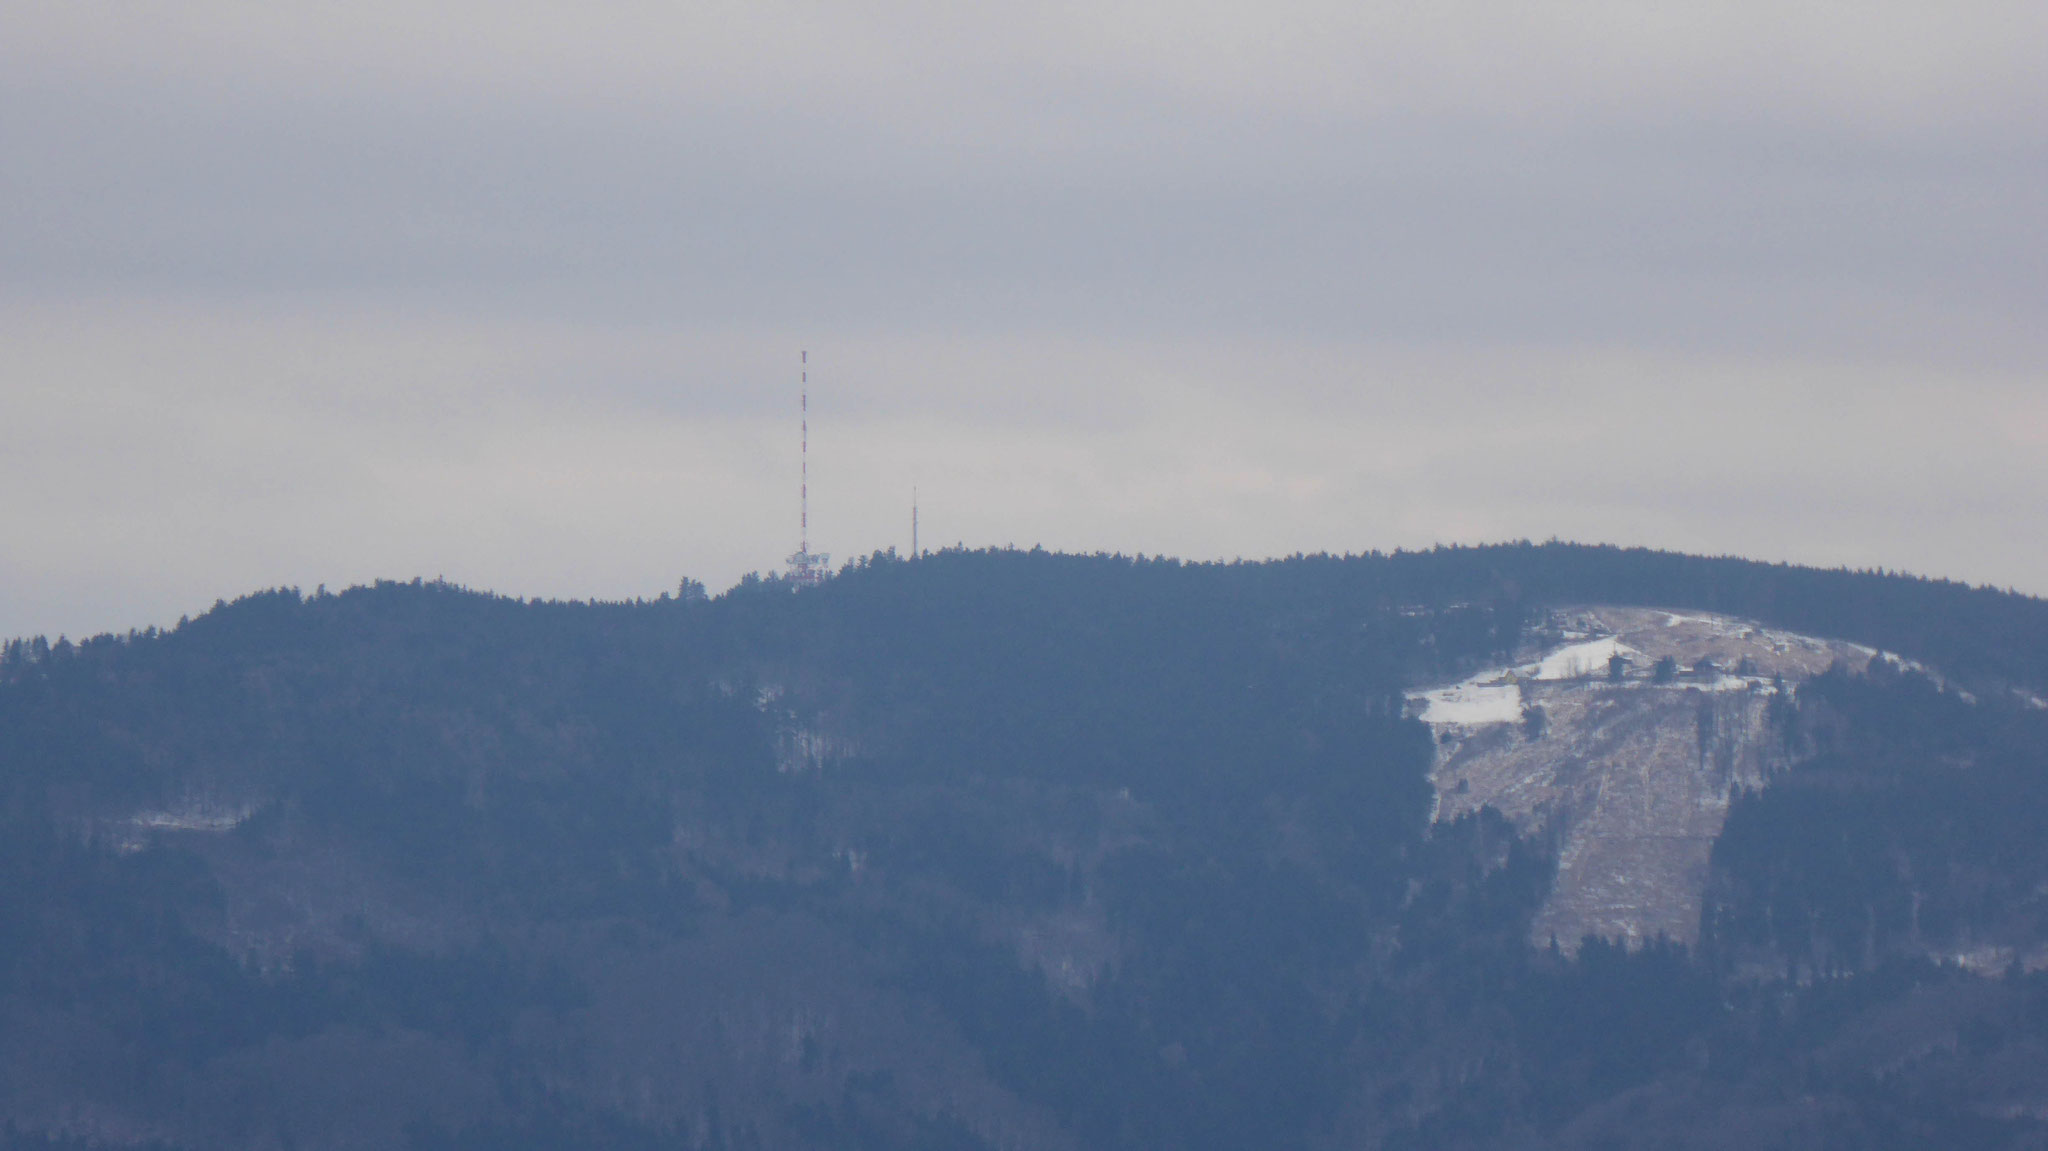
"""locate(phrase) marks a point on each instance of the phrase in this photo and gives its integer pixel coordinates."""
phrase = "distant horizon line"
(689, 588)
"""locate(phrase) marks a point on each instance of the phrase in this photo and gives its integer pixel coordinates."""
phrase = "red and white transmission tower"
(806, 567)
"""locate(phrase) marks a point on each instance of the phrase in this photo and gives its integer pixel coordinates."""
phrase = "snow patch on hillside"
(1496, 695)
(194, 817)
(202, 816)
(1473, 703)
(1579, 660)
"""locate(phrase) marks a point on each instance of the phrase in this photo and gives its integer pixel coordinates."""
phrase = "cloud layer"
(512, 293)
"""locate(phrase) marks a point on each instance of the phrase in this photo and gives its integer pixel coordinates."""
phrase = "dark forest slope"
(987, 849)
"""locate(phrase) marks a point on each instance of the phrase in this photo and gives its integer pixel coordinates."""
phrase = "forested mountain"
(992, 849)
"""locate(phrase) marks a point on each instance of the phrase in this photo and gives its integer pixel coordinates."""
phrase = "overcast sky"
(514, 293)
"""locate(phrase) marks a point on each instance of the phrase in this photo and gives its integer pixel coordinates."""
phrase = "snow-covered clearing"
(1633, 773)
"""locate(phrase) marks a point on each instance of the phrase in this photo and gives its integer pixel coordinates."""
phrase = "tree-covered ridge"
(1980, 635)
(1913, 826)
(1031, 739)
(989, 848)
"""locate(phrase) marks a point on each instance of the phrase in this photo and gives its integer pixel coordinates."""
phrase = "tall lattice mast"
(806, 568)
(803, 537)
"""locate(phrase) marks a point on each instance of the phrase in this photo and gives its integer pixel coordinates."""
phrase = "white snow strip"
(203, 818)
(1492, 697)
(1472, 704)
(1582, 659)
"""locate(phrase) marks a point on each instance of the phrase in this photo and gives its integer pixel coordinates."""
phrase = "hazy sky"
(514, 293)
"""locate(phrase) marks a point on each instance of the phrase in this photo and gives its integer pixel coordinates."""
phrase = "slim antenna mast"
(803, 539)
(913, 521)
(807, 568)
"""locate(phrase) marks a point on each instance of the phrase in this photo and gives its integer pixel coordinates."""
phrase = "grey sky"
(512, 293)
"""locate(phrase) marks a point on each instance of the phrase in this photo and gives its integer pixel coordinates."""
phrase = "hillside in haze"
(1024, 850)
